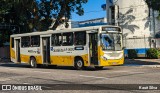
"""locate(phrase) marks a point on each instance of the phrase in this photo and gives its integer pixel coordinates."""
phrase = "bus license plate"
(114, 63)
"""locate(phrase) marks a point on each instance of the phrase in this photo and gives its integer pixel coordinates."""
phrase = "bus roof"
(64, 30)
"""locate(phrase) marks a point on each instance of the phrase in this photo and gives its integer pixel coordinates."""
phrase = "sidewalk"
(142, 62)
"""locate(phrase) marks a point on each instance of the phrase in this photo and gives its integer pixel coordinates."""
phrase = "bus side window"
(56, 40)
(67, 39)
(35, 41)
(80, 38)
(25, 41)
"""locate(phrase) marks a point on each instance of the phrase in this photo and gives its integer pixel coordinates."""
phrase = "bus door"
(93, 48)
(46, 50)
(18, 59)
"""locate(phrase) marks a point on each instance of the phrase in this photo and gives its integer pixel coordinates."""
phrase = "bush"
(132, 53)
(153, 53)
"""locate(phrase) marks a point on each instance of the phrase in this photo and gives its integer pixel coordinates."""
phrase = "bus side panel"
(67, 60)
(39, 59)
(61, 60)
(12, 54)
(28, 52)
(65, 55)
(26, 58)
(85, 60)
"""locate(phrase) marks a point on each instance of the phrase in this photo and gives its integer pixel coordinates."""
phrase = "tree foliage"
(39, 15)
(154, 4)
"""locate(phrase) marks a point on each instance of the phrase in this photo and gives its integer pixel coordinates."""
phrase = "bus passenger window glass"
(12, 42)
(35, 41)
(67, 39)
(25, 41)
(80, 38)
(56, 40)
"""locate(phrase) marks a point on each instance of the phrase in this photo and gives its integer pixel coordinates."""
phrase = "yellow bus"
(96, 46)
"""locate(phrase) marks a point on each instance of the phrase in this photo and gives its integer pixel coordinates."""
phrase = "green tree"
(57, 9)
(30, 15)
(39, 14)
(154, 4)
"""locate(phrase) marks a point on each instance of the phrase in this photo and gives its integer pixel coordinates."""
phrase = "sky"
(92, 10)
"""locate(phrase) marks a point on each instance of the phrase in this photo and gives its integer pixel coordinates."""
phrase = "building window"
(25, 41)
(35, 41)
(67, 39)
(80, 38)
(56, 40)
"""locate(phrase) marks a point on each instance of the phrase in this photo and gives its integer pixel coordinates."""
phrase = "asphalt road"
(11, 73)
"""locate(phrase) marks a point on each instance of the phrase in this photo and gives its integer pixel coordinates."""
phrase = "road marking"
(120, 71)
(93, 77)
(10, 69)
(127, 72)
(26, 83)
(4, 79)
(41, 72)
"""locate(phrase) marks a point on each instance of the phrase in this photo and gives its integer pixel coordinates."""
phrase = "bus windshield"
(111, 41)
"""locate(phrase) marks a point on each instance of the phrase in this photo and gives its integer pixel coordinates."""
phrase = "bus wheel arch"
(78, 63)
(33, 62)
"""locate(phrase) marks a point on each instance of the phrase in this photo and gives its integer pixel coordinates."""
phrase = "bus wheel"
(33, 63)
(79, 64)
(98, 67)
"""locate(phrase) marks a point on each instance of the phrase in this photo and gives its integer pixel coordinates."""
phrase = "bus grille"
(114, 54)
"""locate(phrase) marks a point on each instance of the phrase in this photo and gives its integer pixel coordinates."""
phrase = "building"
(62, 25)
(139, 25)
(91, 22)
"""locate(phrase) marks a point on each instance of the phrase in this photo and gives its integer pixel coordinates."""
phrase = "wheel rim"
(79, 63)
(32, 63)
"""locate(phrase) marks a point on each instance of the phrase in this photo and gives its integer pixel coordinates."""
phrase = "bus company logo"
(6, 87)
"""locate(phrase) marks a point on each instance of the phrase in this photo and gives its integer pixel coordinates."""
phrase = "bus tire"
(79, 64)
(33, 63)
(98, 67)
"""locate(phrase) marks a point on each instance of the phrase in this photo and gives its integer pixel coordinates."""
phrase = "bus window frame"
(31, 41)
(60, 40)
(72, 34)
(22, 42)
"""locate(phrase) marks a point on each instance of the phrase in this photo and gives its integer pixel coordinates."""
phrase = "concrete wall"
(134, 17)
(4, 52)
